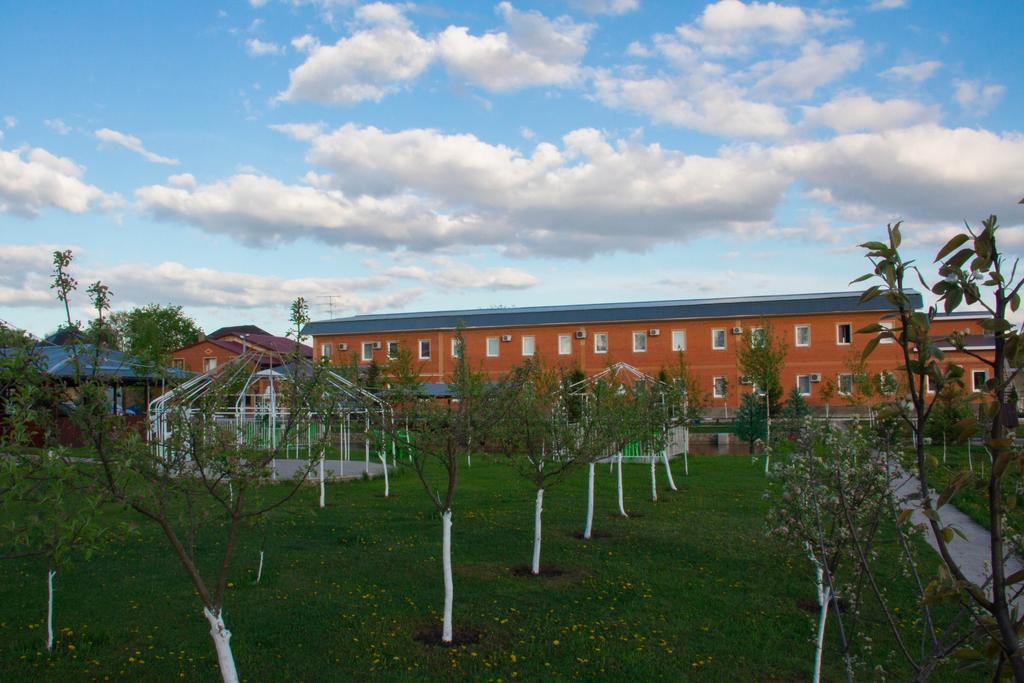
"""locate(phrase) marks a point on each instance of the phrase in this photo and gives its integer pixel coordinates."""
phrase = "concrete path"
(973, 554)
(335, 469)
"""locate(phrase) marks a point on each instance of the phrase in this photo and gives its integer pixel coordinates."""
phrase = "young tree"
(152, 332)
(751, 421)
(761, 356)
(974, 271)
(952, 407)
(794, 411)
(827, 392)
(687, 401)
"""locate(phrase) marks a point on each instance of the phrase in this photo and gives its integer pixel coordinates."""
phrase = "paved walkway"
(972, 554)
(335, 469)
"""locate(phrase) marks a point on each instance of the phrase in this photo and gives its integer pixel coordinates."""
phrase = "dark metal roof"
(581, 314)
(84, 362)
(236, 329)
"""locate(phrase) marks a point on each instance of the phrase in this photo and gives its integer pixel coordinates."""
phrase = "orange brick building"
(819, 330)
(230, 342)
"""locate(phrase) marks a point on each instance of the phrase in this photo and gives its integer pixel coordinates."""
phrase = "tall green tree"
(751, 420)
(153, 331)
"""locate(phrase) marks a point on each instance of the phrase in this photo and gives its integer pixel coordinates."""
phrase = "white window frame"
(325, 351)
(757, 337)
(799, 388)
(887, 324)
(420, 344)
(364, 347)
(209, 363)
(638, 335)
(974, 379)
(603, 336)
(929, 384)
(678, 335)
(532, 343)
(796, 335)
(496, 341)
(714, 386)
(390, 355)
(839, 384)
(455, 347)
(838, 341)
(565, 345)
(725, 339)
(178, 364)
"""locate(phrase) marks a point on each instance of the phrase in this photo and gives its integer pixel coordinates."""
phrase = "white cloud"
(299, 131)
(43, 180)
(709, 107)
(25, 274)
(924, 173)
(305, 43)
(731, 27)
(182, 180)
(613, 7)
(58, 126)
(535, 51)
(976, 98)
(258, 48)
(10, 121)
(886, 4)
(452, 275)
(914, 73)
(850, 113)
(816, 66)
(134, 144)
(367, 65)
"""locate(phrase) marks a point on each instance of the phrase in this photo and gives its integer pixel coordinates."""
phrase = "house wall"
(193, 355)
(823, 356)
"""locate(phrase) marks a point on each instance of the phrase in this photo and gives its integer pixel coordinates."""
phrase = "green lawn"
(689, 587)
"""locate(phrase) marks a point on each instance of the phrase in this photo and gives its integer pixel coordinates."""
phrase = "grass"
(689, 587)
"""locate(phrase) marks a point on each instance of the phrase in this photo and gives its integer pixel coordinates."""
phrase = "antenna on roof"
(329, 304)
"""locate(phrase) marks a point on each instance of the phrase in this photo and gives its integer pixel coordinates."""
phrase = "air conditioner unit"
(342, 346)
(653, 333)
(737, 330)
(746, 380)
(377, 345)
(581, 334)
(815, 376)
(506, 337)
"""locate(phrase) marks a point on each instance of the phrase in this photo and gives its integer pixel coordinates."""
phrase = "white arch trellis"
(258, 417)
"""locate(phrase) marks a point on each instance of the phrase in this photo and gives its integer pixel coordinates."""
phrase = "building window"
(325, 352)
(718, 339)
(455, 347)
(367, 351)
(803, 384)
(564, 345)
(528, 346)
(844, 334)
(424, 349)
(209, 364)
(929, 384)
(887, 324)
(718, 387)
(600, 342)
(978, 379)
(803, 335)
(179, 363)
(493, 344)
(639, 342)
(392, 350)
(757, 337)
(678, 340)
(846, 384)
(887, 384)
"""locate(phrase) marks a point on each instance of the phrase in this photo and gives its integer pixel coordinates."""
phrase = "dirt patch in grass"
(430, 635)
(546, 570)
(593, 535)
(809, 605)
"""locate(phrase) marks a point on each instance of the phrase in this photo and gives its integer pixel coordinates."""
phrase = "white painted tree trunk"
(686, 452)
(537, 510)
(259, 570)
(819, 648)
(588, 527)
(387, 481)
(970, 459)
(446, 562)
(323, 487)
(622, 508)
(222, 642)
(469, 460)
(943, 447)
(49, 608)
(668, 470)
(768, 433)
(654, 479)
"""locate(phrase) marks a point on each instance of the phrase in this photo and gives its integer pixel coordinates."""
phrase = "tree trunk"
(824, 599)
(50, 573)
(622, 508)
(654, 479)
(668, 470)
(222, 642)
(446, 563)
(537, 510)
(387, 481)
(323, 491)
(259, 570)
(943, 446)
(588, 527)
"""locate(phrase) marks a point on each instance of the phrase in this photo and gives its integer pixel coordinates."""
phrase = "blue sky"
(229, 157)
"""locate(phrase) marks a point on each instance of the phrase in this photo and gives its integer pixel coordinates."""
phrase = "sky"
(229, 157)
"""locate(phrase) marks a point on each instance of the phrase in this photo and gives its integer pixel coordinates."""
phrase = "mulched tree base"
(813, 607)
(545, 570)
(593, 535)
(431, 635)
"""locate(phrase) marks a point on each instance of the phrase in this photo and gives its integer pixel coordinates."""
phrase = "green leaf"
(904, 516)
(862, 278)
(875, 246)
(947, 534)
(870, 347)
(952, 244)
(958, 259)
